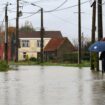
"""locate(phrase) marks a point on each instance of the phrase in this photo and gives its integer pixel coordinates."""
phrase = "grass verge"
(4, 66)
(83, 64)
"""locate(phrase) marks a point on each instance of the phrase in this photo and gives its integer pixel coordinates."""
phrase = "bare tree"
(27, 27)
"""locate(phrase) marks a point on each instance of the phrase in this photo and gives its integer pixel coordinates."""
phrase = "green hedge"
(85, 56)
(71, 57)
(33, 59)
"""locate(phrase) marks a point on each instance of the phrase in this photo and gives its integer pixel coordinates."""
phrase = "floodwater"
(52, 85)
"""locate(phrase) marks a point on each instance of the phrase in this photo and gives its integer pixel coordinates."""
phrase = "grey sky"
(66, 20)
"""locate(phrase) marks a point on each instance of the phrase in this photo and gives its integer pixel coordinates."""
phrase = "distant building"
(57, 47)
(2, 47)
(30, 42)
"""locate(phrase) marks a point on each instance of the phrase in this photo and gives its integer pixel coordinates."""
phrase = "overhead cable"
(57, 7)
(69, 6)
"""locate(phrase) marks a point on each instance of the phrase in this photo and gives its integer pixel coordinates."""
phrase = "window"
(25, 43)
(24, 55)
(38, 43)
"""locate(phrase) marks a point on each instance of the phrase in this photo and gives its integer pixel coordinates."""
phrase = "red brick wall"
(2, 52)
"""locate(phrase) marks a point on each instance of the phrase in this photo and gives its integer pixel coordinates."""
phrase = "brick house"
(57, 47)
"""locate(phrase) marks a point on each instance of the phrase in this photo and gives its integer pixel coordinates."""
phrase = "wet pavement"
(52, 85)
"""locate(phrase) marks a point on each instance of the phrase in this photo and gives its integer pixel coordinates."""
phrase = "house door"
(24, 55)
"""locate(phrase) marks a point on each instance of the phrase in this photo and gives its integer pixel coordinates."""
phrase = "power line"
(25, 16)
(30, 15)
(57, 7)
(49, 10)
(62, 19)
(70, 6)
(23, 12)
(33, 13)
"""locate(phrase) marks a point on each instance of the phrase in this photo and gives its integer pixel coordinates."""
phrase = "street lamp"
(41, 33)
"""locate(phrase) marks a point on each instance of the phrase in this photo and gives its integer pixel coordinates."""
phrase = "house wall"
(32, 50)
(65, 48)
(1, 52)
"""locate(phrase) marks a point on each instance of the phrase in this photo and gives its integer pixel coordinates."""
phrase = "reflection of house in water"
(57, 47)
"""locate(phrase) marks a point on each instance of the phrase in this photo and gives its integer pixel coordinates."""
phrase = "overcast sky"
(64, 20)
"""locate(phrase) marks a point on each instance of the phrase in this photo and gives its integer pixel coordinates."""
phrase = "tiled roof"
(36, 34)
(54, 44)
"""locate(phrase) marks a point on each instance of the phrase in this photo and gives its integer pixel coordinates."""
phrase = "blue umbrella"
(98, 46)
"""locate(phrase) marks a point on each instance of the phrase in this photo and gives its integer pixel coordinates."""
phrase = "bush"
(33, 59)
(3, 66)
(86, 56)
(71, 57)
(26, 58)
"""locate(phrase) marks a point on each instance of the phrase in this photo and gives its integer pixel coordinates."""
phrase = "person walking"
(102, 57)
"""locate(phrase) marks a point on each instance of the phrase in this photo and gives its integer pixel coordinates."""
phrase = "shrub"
(26, 58)
(3, 66)
(71, 57)
(86, 56)
(33, 59)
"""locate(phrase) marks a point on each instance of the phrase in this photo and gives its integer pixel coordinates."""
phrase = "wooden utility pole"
(93, 33)
(93, 21)
(100, 27)
(42, 35)
(79, 32)
(6, 34)
(17, 31)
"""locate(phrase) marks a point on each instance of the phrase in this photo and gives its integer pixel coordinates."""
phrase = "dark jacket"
(102, 56)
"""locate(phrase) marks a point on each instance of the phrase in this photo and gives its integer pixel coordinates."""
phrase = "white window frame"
(25, 43)
(39, 43)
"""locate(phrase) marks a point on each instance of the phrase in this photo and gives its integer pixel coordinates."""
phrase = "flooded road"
(52, 85)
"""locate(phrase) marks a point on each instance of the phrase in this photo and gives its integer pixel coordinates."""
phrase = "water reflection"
(11, 89)
(41, 85)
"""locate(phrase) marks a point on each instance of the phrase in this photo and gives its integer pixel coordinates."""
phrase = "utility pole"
(17, 31)
(42, 35)
(6, 34)
(93, 33)
(79, 32)
(100, 27)
(93, 21)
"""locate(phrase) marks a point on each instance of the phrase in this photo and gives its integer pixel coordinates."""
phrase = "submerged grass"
(83, 64)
